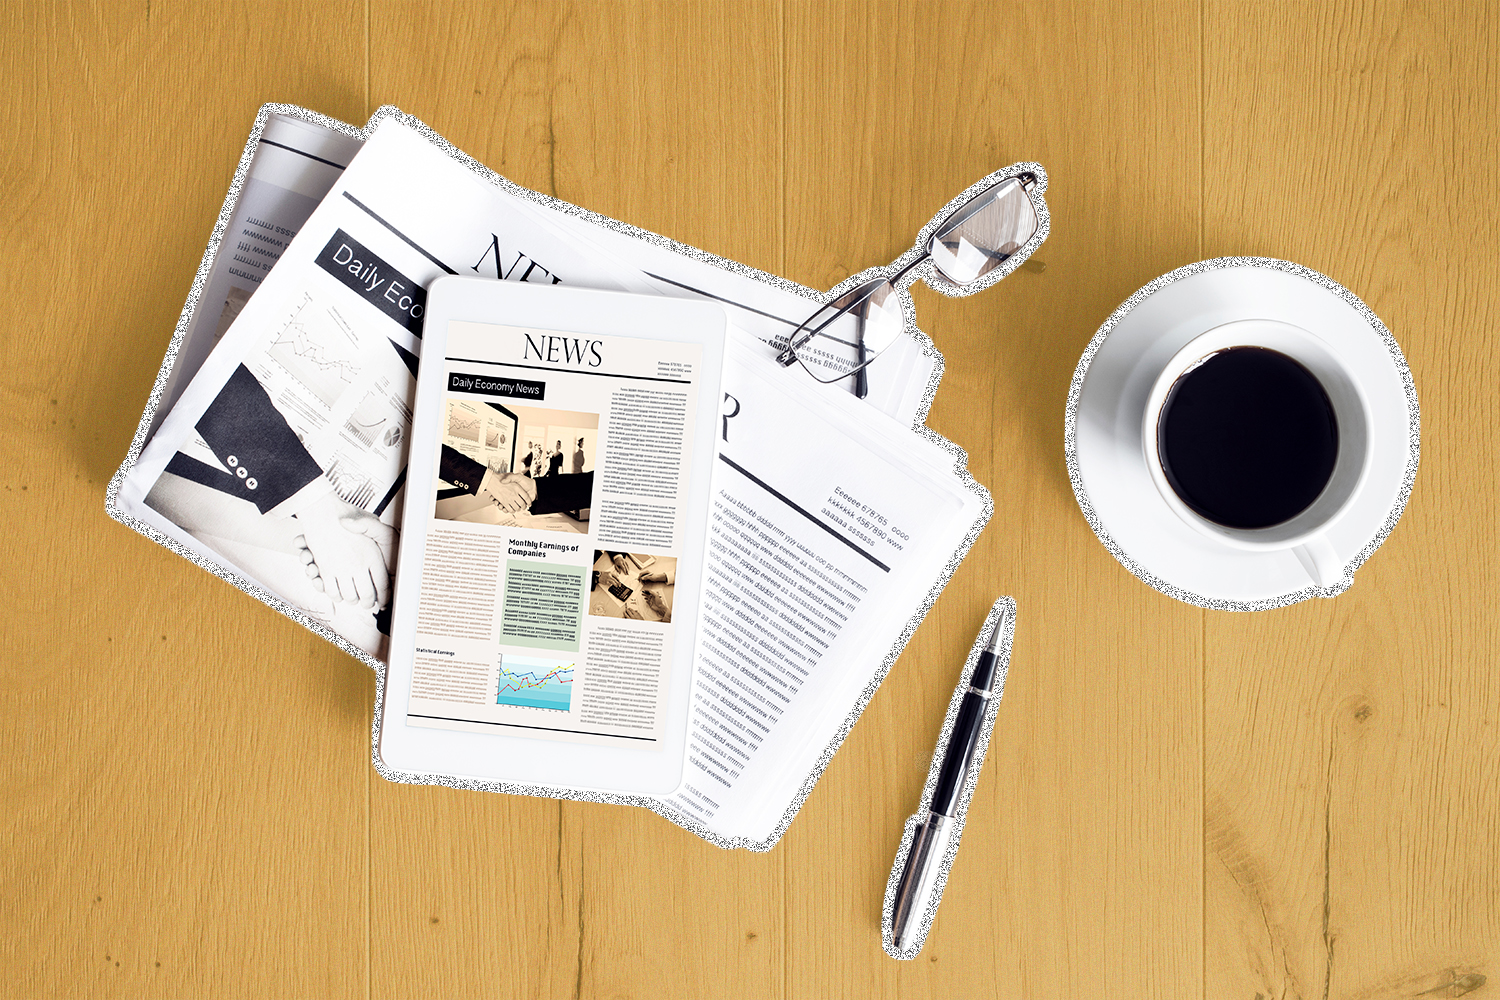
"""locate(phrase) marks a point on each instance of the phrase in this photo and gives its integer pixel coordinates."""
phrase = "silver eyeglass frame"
(918, 264)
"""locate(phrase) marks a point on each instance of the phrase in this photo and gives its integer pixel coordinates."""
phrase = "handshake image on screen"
(509, 492)
(516, 466)
(469, 490)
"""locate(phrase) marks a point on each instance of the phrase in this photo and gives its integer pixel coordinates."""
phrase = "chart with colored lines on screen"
(529, 683)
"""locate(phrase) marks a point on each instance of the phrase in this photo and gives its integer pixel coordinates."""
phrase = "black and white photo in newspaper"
(284, 458)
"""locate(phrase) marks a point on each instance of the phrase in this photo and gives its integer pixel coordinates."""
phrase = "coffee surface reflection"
(1248, 438)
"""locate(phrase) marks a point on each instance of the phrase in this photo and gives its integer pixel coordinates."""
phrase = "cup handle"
(1320, 561)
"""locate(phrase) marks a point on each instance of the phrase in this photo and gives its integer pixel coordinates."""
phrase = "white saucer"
(1107, 459)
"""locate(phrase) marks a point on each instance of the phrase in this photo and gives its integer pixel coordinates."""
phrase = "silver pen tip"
(997, 636)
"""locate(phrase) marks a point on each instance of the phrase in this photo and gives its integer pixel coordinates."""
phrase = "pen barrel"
(959, 755)
(923, 862)
(983, 678)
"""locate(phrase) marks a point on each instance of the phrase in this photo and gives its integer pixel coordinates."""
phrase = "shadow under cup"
(1304, 531)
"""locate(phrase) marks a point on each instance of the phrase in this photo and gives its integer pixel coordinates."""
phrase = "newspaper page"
(768, 310)
(284, 458)
(297, 162)
(294, 165)
(549, 575)
(829, 527)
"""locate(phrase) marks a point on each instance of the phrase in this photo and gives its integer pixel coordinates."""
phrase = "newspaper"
(285, 455)
(834, 523)
(830, 527)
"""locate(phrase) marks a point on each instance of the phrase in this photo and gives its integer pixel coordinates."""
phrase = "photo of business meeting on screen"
(517, 466)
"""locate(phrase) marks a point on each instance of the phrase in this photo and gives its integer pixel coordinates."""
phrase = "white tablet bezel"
(512, 759)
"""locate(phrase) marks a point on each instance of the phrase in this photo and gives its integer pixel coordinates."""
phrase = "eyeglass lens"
(983, 233)
(847, 333)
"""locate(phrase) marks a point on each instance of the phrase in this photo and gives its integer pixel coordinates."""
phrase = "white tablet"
(552, 545)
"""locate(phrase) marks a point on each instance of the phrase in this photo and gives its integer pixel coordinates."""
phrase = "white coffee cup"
(1306, 533)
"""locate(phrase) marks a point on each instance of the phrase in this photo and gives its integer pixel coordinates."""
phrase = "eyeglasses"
(842, 337)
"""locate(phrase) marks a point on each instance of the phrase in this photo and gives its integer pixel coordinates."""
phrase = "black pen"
(930, 842)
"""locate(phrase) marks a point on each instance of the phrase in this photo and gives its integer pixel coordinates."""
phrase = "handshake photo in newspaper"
(347, 552)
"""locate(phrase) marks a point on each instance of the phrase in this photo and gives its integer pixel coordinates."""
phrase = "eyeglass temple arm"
(789, 355)
(861, 380)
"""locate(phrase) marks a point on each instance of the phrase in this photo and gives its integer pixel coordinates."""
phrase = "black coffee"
(1248, 439)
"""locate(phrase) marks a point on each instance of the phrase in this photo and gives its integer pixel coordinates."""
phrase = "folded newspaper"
(274, 448)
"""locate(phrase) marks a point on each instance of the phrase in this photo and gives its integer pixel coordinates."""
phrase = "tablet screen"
(549, 586)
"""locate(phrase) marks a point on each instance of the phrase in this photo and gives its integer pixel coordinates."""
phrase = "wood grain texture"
(1299, 803)
(1352, 821)
(1098, 729)
(184, 770)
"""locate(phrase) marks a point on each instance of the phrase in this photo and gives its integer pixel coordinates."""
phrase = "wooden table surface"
(1178, 803)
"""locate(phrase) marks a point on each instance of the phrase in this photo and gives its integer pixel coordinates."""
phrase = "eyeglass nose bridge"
(856, 302)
